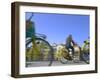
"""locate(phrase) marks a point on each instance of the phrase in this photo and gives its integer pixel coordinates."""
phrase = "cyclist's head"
(86, 41)
(70, 36)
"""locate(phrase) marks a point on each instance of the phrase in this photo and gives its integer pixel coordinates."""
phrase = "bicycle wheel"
(39, 54)
(63, 60)
(85, 57)
(65, 57)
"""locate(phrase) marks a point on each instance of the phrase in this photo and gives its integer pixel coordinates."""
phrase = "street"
(55, 63)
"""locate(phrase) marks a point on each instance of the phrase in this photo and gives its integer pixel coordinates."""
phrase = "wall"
(5, 40)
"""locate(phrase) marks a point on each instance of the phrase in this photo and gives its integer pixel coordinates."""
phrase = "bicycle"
(38, 49)
(64, 55)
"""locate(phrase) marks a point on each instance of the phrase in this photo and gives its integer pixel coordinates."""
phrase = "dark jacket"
(69, 41)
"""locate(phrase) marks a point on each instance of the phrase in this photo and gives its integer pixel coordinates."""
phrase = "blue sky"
(57, 27)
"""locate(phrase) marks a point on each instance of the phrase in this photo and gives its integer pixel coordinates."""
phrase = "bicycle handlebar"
(41, 35)
(38, 35)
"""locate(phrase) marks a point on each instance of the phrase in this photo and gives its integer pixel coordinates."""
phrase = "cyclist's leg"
(36, 49)
(70, 47)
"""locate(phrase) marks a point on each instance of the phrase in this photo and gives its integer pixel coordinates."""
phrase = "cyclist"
(85, 47)
(30, 35)
(70, 43)
(30, 29)
(85, 51)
